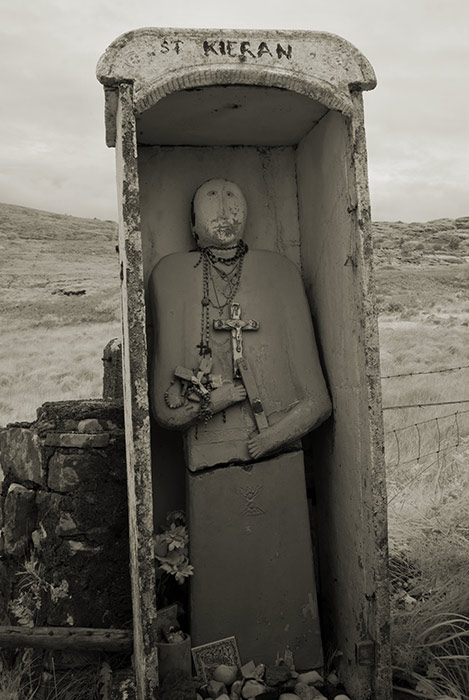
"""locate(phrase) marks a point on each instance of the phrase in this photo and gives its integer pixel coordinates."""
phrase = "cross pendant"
(236, 325)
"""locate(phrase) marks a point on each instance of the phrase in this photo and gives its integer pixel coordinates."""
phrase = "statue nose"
(223, 208)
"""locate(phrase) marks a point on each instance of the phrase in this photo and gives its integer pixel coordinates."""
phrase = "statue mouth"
(224, 229)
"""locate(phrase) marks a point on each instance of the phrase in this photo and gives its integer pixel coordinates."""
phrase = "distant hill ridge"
(437, 242)
(34, 224)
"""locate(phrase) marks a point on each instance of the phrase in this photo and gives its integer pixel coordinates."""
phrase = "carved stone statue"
(236, 368)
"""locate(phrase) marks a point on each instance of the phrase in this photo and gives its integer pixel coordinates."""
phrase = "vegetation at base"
(54, 336)
(29, 674)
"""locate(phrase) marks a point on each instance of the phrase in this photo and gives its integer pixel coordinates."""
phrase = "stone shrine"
(280, 114)
(246, 396)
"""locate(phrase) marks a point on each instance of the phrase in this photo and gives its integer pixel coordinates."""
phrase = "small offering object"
(279, 681)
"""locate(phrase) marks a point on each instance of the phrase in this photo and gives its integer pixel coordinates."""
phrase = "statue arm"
(184, 416)
(306, 415)
(314, 405)
(168, 344)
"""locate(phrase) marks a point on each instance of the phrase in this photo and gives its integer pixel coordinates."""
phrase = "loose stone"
(215, 689)
(248, 670)
(276, 675)
(341, 697)
(225, 674)
(332, 678)
(90, 425)
(311, 678)
(288, 696)
(305, 692)
(259, 671)
(236, 690)
(252, 688)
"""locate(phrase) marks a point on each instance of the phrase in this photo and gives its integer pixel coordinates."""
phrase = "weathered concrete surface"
(350, 477)
(251, 542)
(137, 419)
(329, 175)
(162, 61)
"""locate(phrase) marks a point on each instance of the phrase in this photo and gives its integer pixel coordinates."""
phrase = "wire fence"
(421, 439)
(414, 442)
(429, 371)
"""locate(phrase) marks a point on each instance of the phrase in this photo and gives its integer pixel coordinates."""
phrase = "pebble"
(248, 670)
(225, 674)
(311, 678)
(252, 688)
(236, 690)
(305, 691)
(288, 696)
(259, 672)
(332, 678)
(215, 689)
(341, 697)
(276, 675)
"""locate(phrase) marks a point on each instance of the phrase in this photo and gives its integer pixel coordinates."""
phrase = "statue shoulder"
(173, 265)
(276, 263)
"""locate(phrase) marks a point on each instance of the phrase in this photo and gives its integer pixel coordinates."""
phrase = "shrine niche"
(279, 116)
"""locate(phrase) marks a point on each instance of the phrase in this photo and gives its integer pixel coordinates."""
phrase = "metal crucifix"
(241, 368)
(236, 326)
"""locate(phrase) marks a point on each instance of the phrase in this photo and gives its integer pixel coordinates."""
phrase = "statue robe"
(248, 522)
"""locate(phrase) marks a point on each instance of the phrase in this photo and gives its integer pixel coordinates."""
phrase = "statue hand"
(238, 392)
(259, 445)
(226, 395)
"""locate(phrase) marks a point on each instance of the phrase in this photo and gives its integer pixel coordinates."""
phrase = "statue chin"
(219, 238)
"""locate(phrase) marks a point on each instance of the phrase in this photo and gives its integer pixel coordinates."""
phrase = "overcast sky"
(52, 148)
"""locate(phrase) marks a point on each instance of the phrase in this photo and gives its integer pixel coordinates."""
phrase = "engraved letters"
(245, 49)
(241, 50)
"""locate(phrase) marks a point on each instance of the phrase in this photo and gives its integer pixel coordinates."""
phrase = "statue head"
(219, 212)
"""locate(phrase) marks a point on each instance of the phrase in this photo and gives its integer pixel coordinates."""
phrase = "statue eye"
(211, 193)
(229, 194)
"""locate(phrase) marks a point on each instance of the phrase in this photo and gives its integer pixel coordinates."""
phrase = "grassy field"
(60, 306)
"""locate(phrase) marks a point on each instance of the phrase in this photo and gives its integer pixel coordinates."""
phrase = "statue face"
(220, 212)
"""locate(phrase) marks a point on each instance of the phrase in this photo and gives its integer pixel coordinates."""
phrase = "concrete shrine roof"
(160, 62)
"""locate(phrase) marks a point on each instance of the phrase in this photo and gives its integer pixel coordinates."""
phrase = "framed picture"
(208, 656)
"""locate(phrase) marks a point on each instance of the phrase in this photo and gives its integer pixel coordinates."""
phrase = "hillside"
(434, 243)
(59, 300)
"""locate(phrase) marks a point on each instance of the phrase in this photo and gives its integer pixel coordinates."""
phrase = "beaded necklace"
(228, 279)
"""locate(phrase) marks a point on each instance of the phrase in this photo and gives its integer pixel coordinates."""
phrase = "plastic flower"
(171, 548)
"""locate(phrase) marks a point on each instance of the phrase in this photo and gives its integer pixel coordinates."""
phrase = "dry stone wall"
(63, 513)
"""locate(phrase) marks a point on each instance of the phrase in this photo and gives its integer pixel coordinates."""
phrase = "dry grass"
(50, 364)
(423, 326)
